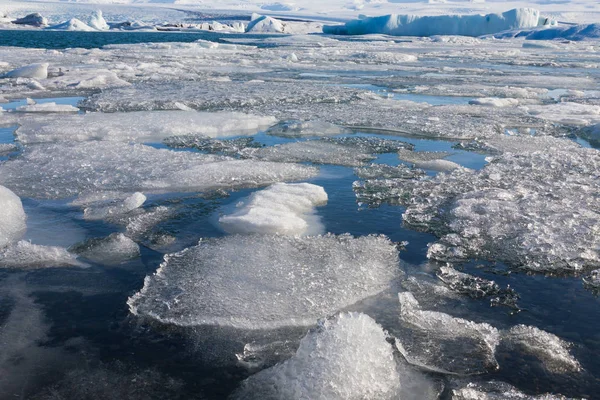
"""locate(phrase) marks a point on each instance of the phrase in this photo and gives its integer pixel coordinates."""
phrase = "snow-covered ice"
(262, 282)
(286, 209)
(35, 71)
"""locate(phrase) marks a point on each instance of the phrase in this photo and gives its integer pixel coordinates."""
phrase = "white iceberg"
(97, 21)
(286, 209)
(264, 24)
(72, 25)
(266, 282)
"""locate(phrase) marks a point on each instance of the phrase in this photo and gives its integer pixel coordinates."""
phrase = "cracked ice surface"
(59, 171)
(346, 357)
(261, 282)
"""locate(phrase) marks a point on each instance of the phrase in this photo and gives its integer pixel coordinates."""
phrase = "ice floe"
(58, 171)
(346, 357)
(24, 254)
(261, 282)
(12, 217)
(286, 209)
(438, 342)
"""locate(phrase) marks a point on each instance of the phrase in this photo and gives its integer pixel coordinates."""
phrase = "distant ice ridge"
(534, 208)
(346, 357)
(12, 217)
(286, 209)
(266, 282)
(139, 126)
(462, 25)
(59, 171)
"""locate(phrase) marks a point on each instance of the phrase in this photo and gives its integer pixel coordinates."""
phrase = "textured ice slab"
(139, 126)
(35, 71)
(286, 209)
(463, 25)
(59, 171)
(496, 391)
(24, 254)
(477, 288)
(536, 209)
(347, 357)
(260, 282)
(550, 350)
(439, 342)
(114, 208)
(111, 250)
(12, 217)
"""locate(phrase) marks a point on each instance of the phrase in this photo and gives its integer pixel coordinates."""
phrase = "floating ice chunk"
(114, 249)
(383, 171)
(12, 217)
(592, 280)
(265, 282)
(439, 342)
(140, 126)
(59, 171)
(35, 71)
(51, 107)
(549, 349)
(24, 254)
(428, 160)
(347, 357)
(113, 209)
(496, 391)
(495, 102)
(230, 147)
(463, 25)
(35, 19)
(295, 128)
(97, 21)
(72, 25)
(286, 209)
(265, 24)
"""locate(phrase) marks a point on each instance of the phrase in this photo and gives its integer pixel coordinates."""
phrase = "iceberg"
(98, 22)
(72, 25)
(264, 24)
(346, 357)
(266, 282)
(461, 25)
(35, 19)
(285, 209)
(12, 217)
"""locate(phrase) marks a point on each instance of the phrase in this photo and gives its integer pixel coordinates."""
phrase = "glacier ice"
(262, 282)
(12, 217)
(463, 25)
(439, 342)
(139, 126)
(552, 351)
(346, 357)
(59, 171)
(286, 209)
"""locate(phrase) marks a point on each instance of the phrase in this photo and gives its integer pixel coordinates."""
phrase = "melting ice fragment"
(550, 350)
(286, 209)
(111, 250)
(12, 217)
(114, 208)
(347, 357)
(431, 160)
(24, 254)
(59, 171)
(438, 342)
(263, 282)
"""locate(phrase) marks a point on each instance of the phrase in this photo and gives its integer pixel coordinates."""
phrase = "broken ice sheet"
(59, 171)
(495, 391)
(438, 342)
(265, 282)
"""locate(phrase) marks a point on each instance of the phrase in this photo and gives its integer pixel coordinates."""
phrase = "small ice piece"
(35, 19)
(266, 282)
(72, 25)
(346, 357)
(97, 21)
(26, 255)
(12, 217)
(51, 107)
(111, 250)
(494, 102)
(114, 208)
(35, 71)
(438, 342)
(463, 25)
(140, 126)
(264, 24)
(428, 160)
(383, 171)
(296, 128)
(496, 391)
(550, 350)
(286, 209)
